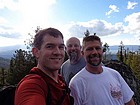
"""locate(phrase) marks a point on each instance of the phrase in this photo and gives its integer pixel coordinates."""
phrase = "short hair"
(38, 39)
(90, 38)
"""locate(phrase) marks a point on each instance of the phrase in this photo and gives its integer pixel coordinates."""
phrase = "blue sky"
(112, 20)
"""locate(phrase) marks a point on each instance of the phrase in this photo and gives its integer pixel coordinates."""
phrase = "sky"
(112, 20)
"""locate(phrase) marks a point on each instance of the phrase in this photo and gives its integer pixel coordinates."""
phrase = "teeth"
(56, 58)
(94, 57)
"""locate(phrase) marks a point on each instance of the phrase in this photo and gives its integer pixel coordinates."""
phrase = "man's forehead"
(92, 43)
(73, 39)
(53, 40)
(73, 42)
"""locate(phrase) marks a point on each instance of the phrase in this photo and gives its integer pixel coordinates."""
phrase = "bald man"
(75, 62)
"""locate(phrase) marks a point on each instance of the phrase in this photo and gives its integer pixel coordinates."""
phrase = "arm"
(75, 95)
(77, 91)
(131, 102)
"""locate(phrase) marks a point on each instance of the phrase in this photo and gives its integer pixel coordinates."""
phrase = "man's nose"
(57, 50)
(73, 47)
(94, 51)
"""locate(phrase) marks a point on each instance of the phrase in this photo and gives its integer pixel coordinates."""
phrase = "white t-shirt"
(107, 88)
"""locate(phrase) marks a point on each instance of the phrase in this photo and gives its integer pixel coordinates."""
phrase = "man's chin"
(95, 64)
(55, 68)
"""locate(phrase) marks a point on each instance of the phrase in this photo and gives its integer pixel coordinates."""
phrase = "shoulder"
(79, 77)
(66, 62)
(33, 78)
(111, 71)
(31, 87)
(32, 81)
(64, 66)
(82, 61)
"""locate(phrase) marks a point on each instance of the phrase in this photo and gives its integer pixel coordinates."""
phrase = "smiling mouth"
(56, 58)
(95, 57)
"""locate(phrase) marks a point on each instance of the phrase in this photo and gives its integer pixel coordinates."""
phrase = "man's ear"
(35, 52)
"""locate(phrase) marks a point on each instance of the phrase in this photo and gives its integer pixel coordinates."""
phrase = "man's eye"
(62, 47)
(89, 49)
(69, 46)
(98, 48)
(49, 46)
(76, 45)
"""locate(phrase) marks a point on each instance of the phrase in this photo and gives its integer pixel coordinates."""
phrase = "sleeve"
(76, 92)
(30, 92)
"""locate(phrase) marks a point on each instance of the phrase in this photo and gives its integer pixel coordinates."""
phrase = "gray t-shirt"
(68, 70)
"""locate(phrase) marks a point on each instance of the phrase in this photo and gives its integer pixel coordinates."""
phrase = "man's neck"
(51, 73)
(94, 70)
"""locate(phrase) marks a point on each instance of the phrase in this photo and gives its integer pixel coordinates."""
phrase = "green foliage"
(29, 42)
(87, 33)
(22, 62)
(105, 50)
(121, 52)
(2, 76)
(130, 58)
(20, 65)
(133, 60)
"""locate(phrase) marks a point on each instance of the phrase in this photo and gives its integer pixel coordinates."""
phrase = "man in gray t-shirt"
(75, 62)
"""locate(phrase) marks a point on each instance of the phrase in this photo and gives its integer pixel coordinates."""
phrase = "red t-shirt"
(33, 89)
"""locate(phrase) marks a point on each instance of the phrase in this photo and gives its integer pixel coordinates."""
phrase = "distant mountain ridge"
(7, 52)
(4, 63)
(115, 48)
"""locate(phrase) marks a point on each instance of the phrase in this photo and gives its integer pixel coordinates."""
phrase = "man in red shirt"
(44, 86)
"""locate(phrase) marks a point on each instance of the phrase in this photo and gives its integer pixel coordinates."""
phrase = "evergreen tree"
(133, 60)
(120, 52)
(105, 50)
(20, 65)
(22, 62)
(86, 33)
(2, 76)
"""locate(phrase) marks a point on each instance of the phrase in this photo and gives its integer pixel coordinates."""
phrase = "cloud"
(3, 20)
(131, 5)
(9, 4)
(35, 12)
(10, 35)
(9, 32)
(23, 4)
(130, 26)
(113, 8)
(32, 13)
(100, 27)
(133, 23)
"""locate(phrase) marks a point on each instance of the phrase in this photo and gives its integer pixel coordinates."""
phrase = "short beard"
(73, 57)
(94, 64)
